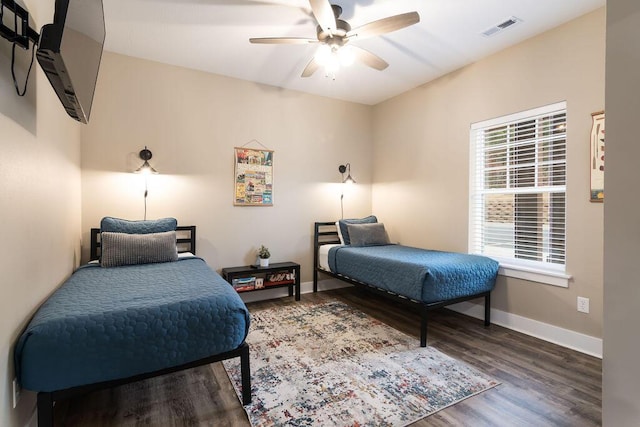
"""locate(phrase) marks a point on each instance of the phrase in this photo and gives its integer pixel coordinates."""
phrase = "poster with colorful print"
(596, 161)
(253, 177)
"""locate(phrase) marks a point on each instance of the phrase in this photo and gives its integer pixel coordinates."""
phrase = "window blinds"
(518, 186)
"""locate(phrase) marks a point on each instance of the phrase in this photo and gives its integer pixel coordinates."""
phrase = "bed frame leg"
(245, 372)
(487, 309)
(316, 255)
(45, 409)
(424, 315)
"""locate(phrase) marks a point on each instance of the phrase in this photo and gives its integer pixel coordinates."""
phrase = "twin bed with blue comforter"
(109, 326)
(359, 253)
(143, 310)
(418, 274)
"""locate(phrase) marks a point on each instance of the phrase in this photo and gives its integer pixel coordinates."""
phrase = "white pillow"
(339, 233)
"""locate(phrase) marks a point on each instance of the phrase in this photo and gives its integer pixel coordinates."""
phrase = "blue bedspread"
(420, 274)
(111, 323)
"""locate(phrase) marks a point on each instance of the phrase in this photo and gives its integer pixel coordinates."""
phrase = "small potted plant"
(264, 255)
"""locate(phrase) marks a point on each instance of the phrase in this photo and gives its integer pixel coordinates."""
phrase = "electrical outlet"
(583, 304)
(16, 393)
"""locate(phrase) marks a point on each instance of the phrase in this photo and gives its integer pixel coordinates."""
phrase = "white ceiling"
(213, 36)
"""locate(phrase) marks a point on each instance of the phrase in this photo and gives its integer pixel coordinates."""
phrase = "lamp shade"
(346, 168)
(146, 168)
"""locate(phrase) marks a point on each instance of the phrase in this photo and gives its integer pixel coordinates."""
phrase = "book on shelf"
(282, 276)
(244, 283)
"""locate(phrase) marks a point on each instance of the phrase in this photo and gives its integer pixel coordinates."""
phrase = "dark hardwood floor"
(542, 384)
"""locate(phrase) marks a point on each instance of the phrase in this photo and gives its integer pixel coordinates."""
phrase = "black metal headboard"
(323, 233)
(186, 240)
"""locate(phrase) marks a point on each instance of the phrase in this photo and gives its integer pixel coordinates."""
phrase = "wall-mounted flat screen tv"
(69, 52)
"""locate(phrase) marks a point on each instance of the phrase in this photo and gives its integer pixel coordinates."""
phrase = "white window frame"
(552, 274)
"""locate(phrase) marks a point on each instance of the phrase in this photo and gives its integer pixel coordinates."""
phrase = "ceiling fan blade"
(385, 25)
(282, 40)
(324, 15)
(368, 58)
(311, 68)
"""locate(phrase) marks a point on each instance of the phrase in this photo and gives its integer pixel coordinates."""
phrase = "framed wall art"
(596, 159)
(253, 177)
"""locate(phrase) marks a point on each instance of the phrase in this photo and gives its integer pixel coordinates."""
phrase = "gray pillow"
(117, 225)
(128, 249)
(344, 223)
(368, 234)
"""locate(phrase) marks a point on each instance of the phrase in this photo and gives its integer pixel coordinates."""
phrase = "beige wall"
(621, 376)
(191, 121)
(40, 204)
(421, 159)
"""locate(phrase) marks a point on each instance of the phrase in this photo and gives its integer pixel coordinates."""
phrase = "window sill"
(535, 275)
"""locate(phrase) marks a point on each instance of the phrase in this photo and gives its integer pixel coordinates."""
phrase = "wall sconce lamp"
(348, 180)
(146, 168)
(346, 168)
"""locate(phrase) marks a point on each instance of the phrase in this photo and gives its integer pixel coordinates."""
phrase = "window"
(518, 193)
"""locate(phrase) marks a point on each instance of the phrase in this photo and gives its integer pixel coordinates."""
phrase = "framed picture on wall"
(253, 177)
(596, 160)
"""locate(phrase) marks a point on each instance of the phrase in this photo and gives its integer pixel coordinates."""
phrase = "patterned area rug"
(332, 365)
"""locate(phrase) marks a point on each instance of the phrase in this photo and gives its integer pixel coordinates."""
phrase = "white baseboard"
(554, 334)
(305, 288)
(324, 285)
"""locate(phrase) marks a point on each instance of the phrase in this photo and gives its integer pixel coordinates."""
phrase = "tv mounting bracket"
(21, 15)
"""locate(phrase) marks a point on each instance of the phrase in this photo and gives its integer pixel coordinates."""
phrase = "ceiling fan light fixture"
(332, 65)
(332, 57)
(323, 54)
(346, 57)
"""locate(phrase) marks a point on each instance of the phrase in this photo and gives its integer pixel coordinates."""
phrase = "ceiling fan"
(333, 35)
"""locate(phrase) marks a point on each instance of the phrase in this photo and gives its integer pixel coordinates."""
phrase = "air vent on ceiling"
(501, 26)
